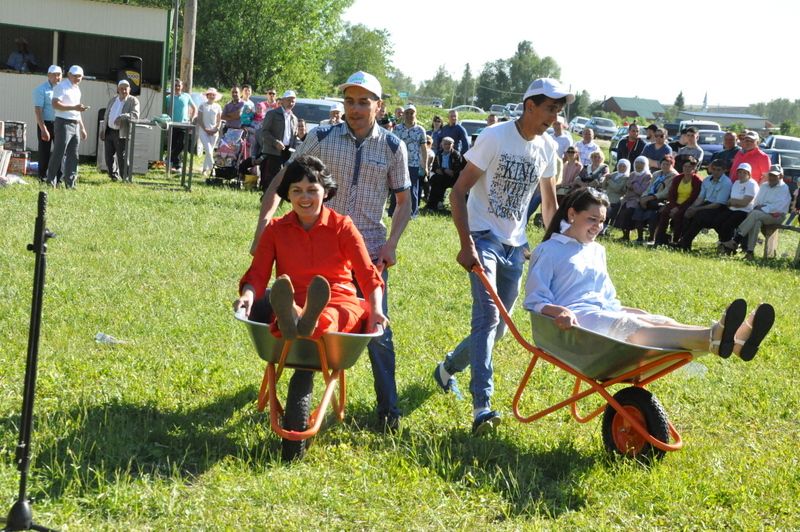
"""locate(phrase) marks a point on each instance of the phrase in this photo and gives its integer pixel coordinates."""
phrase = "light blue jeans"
(502, 265)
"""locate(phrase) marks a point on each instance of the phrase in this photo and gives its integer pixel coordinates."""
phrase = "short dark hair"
(652, 127)
(246, 86)
(311, 168)
(690, 129)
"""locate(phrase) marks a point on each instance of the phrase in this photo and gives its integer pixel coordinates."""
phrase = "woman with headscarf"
(614, 187)
(637, 184)
(646, 213)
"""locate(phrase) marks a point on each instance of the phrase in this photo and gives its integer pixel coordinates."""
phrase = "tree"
(362, 48)
(441, 86)
(494, 84)
(401, 82)
(679, 103)
(466, 88)
(526, 65)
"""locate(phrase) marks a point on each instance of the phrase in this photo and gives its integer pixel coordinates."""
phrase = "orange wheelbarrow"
(329, 355)
(634, 422)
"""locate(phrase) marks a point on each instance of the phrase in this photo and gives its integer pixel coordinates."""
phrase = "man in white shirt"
(68, 129)
(587, 146)
(561, 136)
(504, 167)
(770, 208)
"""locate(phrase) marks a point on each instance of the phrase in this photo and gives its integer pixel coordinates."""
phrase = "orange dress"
(333, 248)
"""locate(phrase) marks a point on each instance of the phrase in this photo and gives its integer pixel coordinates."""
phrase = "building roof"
(641, 106)
(699, 114)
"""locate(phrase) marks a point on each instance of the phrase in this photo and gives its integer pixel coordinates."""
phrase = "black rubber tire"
(655, 420)
(296, 412)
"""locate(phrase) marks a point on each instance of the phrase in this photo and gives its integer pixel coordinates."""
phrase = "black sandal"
(760, 322)
(732, 318)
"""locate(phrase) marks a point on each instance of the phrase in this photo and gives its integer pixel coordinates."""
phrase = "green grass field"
(161, 433)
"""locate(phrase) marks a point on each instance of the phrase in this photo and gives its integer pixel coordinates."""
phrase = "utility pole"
(187, 53)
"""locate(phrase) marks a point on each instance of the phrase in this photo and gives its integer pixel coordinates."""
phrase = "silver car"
(603, 127)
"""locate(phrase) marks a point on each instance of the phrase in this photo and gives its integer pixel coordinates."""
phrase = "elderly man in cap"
(504, 168)
(740, 203)
(369, 163)
(769, 208)
(447, 165)
(752, 155)
(120, 110)
(334, 115)
(68, 129)
(45, 114)
(413, 134)
(277, 138)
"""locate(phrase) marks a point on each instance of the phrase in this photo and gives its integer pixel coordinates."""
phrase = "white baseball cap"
(410, 107)
(746, 167)
(122, 82)
(289, 94)
(552, 88)
(75, 70)
(364, 80)
(54, 69)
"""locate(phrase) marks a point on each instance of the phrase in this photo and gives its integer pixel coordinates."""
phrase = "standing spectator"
(209, 123)
(587, 147)
(650, 133)
(248, 107)
(751, 154)
(728, 153)
(232, 112)
(771, 205)
(183, 110)
(632, 146)
(398, 115)
(657, 150)
(367, 162)
(263, 107)
(119, 111)
(682, 193)
(334, 116)
(447, 165)
(690, 149)
(561, 136)
(45, 114)
(710, 205)
(278, 136)
(435, 132)
(68, 129)
(22, 60)
(413, 135)
(455, 131)
(743, 192)
(503, 170)
(302, 131)
(426, 182)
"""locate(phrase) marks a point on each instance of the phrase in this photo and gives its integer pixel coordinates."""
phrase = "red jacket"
(758, 161)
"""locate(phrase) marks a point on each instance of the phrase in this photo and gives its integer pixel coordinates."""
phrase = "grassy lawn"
(161, 433)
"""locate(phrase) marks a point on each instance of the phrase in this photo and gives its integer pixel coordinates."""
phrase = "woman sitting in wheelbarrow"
(568, 280)
(316, 252)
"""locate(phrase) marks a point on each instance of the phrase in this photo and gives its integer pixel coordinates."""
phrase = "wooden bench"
(770, 233)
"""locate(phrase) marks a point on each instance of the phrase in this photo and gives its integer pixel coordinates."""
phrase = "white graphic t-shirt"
(512, 169)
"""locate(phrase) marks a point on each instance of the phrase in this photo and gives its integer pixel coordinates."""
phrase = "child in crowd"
(316, 251)
(568, 280)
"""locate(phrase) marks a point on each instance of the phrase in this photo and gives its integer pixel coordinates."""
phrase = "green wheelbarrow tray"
(594, 355)
(342, 349)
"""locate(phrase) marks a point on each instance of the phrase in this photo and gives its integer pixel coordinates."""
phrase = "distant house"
(642, 108)
(756, 122)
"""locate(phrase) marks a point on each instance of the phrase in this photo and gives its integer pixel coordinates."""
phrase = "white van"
(699, 124)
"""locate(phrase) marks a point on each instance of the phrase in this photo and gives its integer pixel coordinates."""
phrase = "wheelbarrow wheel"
(619, 436)
(295, 415)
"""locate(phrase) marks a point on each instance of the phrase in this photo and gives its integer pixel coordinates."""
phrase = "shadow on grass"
(118, 440)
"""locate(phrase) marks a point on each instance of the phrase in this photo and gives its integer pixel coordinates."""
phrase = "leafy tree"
(526, 65)
(401, 82)
(441, 86)
(466, 87)
(494, 83)
(580, 107)
(362, 48)
(680, 105)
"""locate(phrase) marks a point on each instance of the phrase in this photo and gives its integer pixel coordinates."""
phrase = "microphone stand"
(21, 516)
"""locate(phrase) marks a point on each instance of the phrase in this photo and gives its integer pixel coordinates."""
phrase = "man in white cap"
(334, 115)
(277, 138)
(740, 203)
(120, 110)
(368, 163)
(504, 167)
(45, 114)
(752, 155)
(415, 139)
(68, 129)
(769, 208)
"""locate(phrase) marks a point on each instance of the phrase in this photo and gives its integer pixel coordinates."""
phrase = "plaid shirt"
(365, 173)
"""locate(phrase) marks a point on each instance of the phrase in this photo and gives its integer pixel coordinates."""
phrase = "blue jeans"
(536, 200)
(502, 264)
(382, 360)
(413, 173)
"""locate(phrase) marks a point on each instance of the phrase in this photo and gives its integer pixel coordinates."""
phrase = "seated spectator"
(614, 187)
(690, 149)
(586, 147)
(572, 167)
(795, 207)
(562, 137)
(728, 153)
(447, 165)
(651, 202)
(682, 193)
(637, 184)
(770, 208)
(568, 280)
(302, 131)
(595, 172)
(751, 154)
(657, 150)
(22, 60)
(740, 203)
(631, 146)
(710, 206)
(426, 183)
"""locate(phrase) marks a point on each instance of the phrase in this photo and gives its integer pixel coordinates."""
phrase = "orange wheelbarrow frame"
(643, 372)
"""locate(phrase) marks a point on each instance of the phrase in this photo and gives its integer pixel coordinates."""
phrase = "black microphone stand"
(20, 517)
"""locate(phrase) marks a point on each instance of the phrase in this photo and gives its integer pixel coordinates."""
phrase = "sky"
(700, 45)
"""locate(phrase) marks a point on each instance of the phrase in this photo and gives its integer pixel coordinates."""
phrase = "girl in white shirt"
(568, 280)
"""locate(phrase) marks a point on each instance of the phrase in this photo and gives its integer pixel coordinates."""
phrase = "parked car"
(622, 132)
(473, 128)
(603, 128)
(711, 143)
(577, 123)
(437, 103)
(698, 125)
(468, 109)
(510, 108)
(785, 151)
(499, 110)
(313, 111)
(517, 112)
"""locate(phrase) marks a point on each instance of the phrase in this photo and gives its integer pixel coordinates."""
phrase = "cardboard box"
(19, 163)
(14, 136)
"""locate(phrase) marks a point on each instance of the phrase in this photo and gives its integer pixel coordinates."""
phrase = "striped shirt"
(365, 173)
